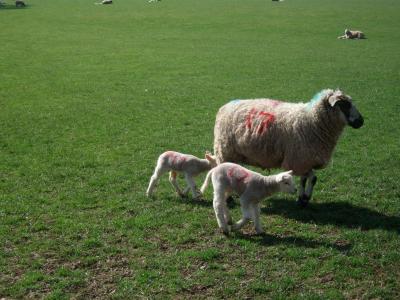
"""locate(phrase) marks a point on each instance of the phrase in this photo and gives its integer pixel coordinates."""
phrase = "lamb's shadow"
(340, 214)
(200, 201)
(271, 240)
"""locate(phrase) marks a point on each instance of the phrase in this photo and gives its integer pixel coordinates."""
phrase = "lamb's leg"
(306, 189)
(192, 185)
(219, 204)
(153, 180)
(246, 211)
(256, 217)
(172, 180)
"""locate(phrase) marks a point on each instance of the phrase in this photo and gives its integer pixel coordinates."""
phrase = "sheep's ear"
(337, 96)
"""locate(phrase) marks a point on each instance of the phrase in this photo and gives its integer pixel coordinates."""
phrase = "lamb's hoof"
(225, 232)
(303, 200)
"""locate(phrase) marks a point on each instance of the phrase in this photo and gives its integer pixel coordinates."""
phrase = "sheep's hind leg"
(154, 179)
(307, 183)
(219, 204)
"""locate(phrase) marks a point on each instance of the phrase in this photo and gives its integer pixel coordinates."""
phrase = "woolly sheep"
(293, 136)
(174, 163)
(252, 188)
(352, 34)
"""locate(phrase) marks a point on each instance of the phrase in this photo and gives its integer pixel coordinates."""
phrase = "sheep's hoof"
(303, 200)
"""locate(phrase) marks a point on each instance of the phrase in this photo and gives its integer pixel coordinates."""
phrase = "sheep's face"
(286, 182)
(347, 110)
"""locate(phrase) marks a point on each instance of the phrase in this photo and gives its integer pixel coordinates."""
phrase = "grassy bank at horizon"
(90, 95)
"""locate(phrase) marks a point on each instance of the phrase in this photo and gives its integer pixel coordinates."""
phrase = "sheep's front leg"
(307, 183)
(246, 211)
(172, 180)
(192, 185)
(256, 217)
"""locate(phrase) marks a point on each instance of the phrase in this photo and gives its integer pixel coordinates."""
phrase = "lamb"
(292, 136)
(252, 188)
(174, 163)
(352, 34)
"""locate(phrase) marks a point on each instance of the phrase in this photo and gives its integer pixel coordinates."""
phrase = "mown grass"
(91, 95)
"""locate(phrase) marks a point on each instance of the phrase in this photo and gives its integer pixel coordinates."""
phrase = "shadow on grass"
(200, 202)
(12, 6)
(270, 240)
(334, 213)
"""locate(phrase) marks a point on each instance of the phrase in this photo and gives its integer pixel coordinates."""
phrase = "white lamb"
(174, 163)
(293, 136)
(228, 178)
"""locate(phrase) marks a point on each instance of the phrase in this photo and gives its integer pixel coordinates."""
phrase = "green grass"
(90, 95)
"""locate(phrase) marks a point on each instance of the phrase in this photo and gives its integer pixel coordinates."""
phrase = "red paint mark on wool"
(249, 118)
(274, 103)
(176, 158)
(238, 173)
(265, 119)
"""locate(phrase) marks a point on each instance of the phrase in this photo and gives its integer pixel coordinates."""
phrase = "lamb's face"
(286, 182)
(346, 109)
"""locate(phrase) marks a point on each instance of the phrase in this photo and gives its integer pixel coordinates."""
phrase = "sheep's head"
(286, 182)
(344, 105)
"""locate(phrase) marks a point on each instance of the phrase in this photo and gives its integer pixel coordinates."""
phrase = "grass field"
(90, 95)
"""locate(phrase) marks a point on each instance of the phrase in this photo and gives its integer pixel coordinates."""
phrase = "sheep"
(352, 34)
(251, 187)
(174, 163)
(292, 136)
(19, 3)
(105, 2)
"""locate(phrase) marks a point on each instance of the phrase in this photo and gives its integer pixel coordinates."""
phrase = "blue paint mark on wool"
(235, 101)
(317, 97)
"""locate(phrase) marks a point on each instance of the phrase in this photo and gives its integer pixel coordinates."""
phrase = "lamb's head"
(286, 182)
(211, 159)
(347, 32)
(343, 105)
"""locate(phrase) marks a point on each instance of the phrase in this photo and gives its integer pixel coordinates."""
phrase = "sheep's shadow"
(268, 240)
(340, 214)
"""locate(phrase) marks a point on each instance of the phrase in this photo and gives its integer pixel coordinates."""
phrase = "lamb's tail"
(206, 181)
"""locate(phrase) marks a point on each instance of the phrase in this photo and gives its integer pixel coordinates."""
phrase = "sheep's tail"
(206, 181)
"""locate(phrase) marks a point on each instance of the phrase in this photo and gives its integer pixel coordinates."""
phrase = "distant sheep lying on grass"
(352, 34)
(174, 163)
(252, 188)
(105, 2)
(293, 136)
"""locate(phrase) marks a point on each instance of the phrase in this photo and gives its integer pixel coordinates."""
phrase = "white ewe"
(252, 187)
(293, 136)
(175, 162)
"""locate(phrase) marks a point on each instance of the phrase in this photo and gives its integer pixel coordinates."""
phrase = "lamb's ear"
(210, 158)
